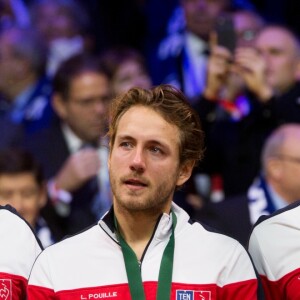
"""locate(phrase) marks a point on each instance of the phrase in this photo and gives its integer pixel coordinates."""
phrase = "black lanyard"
(134, 273)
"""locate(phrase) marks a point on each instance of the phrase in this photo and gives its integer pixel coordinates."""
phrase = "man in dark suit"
(11, 134)
(276, 187)
(182, 56)
(73, 150)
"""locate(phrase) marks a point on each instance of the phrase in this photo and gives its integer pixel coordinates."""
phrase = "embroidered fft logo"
(5, 289)
(193, 295)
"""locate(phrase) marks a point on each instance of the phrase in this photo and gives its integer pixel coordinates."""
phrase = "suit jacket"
(231, 216)
(236, 215)
(36, 111)
(50, 148)
(172, 63)
(286, 107)
(233, 146)
(11, 134)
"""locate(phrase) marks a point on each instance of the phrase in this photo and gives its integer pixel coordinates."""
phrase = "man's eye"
(156, 150)
(125, 144)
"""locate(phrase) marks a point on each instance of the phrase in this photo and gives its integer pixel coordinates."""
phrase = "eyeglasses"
(288, 158)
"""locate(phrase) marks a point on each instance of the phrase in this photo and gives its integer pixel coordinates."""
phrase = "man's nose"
(138, 160)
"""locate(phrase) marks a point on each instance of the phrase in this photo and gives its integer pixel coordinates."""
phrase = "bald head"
(281, 161)
(283, 34)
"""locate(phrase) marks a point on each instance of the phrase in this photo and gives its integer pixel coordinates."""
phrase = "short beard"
(152, 204)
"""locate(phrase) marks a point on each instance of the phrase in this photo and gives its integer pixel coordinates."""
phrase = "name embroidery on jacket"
(99, 295)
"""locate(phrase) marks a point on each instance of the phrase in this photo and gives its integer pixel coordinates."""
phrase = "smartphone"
(225, 31)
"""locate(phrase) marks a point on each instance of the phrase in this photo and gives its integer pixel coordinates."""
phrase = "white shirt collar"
(195, 45)
(73, 141)
(194, 62)
(278, 201)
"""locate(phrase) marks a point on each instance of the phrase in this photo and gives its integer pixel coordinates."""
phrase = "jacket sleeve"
(40, 284)
(19, 247)
(278, 268)
(240, 266)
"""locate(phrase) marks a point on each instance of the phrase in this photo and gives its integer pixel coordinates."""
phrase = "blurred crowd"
(61, 63)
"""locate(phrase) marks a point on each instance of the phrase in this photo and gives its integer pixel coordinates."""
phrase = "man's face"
(279, 50)
(86, 108)
(200, 15)
(23, 193)
(144, 161)
(289, 174)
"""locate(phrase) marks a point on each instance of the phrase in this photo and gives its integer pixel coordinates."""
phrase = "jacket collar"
(162, 229)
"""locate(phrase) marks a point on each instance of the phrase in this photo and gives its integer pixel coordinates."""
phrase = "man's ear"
(59, 105)
(185, 172)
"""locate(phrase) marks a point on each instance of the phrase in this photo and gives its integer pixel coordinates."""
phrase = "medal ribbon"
(134, 273)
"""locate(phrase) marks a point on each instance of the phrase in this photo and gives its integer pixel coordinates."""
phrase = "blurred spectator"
(277, 186)
(25, 88)
(63, 26)
(221, 107)
(269, 71)
(222, 84)
(274, 80)
(19, 249)
(182, 56)
(127, 69)
(22, 186)
(73, 151)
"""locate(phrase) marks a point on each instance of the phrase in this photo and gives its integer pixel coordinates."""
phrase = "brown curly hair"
(172, 105)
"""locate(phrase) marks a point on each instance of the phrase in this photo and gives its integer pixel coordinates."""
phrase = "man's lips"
(135, 182)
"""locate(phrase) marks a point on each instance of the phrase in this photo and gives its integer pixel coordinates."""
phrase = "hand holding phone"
(226, 36)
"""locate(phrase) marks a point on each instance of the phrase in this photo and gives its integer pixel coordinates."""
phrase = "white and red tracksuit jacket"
(18, 251)
(275, 248)
(90, 265)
